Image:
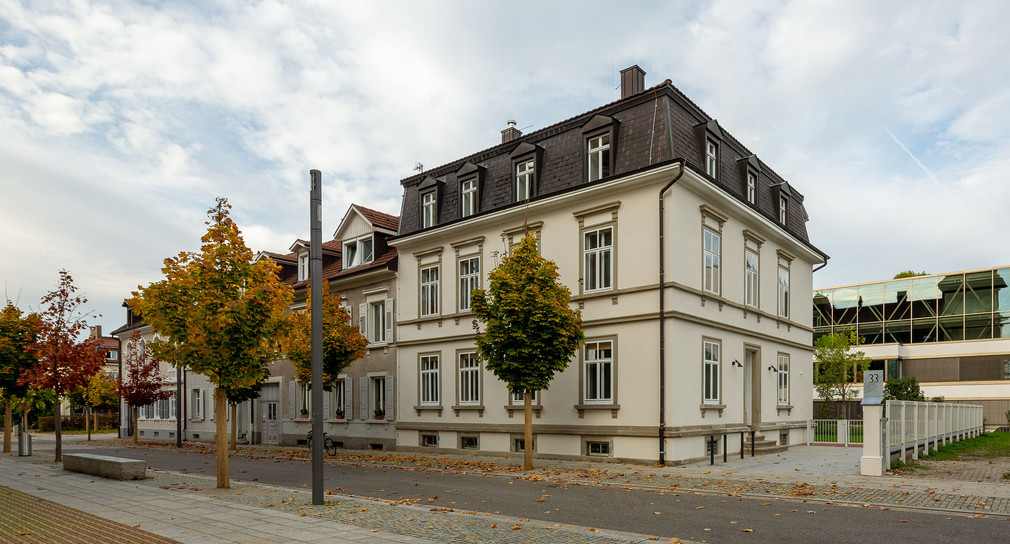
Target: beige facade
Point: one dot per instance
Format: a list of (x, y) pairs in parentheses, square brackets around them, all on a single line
[(606, 403)]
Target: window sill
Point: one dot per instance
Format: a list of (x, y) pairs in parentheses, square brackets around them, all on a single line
[(612, 407), (512, 408), (705, 408), (479, 408), (432, 408), (787, 408)]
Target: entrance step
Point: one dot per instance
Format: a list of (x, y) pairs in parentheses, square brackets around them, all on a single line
[(763, 446)]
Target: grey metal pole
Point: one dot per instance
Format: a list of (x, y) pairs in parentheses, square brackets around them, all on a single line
[(316, 290), (179, 403)]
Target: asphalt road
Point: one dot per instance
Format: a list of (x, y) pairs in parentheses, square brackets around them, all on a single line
[(709, 517)]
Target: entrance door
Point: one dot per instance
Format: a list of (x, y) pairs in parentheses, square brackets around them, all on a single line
[(269, 416), (748, 388)]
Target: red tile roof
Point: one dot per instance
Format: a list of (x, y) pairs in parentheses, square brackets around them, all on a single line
[(379, 219)]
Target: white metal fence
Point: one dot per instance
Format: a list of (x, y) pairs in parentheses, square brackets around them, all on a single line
[(914, 425), (843, 432)]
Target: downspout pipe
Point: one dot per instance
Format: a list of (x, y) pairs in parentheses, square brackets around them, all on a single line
[(662, 315)]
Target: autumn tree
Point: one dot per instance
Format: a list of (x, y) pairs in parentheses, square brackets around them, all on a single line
[(220, 315), (530, 331), (63, 362), (100, 390), (18, 333), (343, 343), (837, 367), (909, 274), (142, 381)]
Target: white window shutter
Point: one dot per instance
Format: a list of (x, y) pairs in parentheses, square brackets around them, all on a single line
[(326, 405), (390, 398), (292, 399), (212, 404), (348, 410), (363, 398), (363, 318), (389, 321)]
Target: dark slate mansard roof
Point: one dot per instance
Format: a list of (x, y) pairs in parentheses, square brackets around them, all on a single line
[(643, 141)]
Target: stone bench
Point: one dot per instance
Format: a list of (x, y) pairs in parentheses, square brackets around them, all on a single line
[(105, 466)]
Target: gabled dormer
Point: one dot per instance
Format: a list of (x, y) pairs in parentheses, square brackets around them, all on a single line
[(301, 251), (362, 234)]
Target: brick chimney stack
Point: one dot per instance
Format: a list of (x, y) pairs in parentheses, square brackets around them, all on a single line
[(95, 332), (511, 133), (632, 81)]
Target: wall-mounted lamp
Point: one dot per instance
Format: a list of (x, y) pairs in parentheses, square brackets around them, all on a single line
[(737, 363), (772, 368)]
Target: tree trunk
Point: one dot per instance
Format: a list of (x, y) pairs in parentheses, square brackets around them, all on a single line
[(94, 424), (58, 424), (234, 427), (528, 435), (221, 413), (8, 427), (87, 422), (136, 421)]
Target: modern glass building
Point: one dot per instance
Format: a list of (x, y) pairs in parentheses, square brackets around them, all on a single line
[(950, 331)]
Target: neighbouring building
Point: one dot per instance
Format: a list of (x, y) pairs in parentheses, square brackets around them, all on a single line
[(681, 248), (360, 266), (949, 331), (110, 345)]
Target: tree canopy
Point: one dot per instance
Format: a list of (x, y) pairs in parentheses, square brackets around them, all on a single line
[(343, 343), (220, 312), (18, 333), (142, 381), (530, 331), (63, 363), (909, 274)]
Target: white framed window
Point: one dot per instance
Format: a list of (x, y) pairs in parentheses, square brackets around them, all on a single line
[(428, 207), (751, 280), (337, 406), (378, 395), (783, 291), (469, 379), (196, 404), (377, 322), (711, 158), (358, 251), (710, 372), (429, 290), (429, 380), (598, 247), (598, 448), (517, 397), (783, 380), (172, 406), (468, 197), (599, 372), (783, 202), (599, 157), (303, 266), (751, 187), (147, 411), (163, 409), (305, 394), (712, 257), (112, 355), (469, 279), (524, 179)]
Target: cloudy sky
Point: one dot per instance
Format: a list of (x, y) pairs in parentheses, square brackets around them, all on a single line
[(121, 121)]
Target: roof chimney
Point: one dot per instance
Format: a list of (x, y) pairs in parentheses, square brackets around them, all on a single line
[(511, 133), (96, 332), (632, 81)]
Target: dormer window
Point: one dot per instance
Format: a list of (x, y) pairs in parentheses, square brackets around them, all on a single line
[(468, 197), (524, 179), (358, 251), (303, 266), (783, 201), (751, 187), (599, 157), (711, 158), (428, 207)]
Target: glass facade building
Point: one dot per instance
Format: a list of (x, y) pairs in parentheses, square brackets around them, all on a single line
[(956, 307)]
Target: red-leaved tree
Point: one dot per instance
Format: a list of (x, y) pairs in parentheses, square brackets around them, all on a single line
[(63, 362), (142, 382)]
